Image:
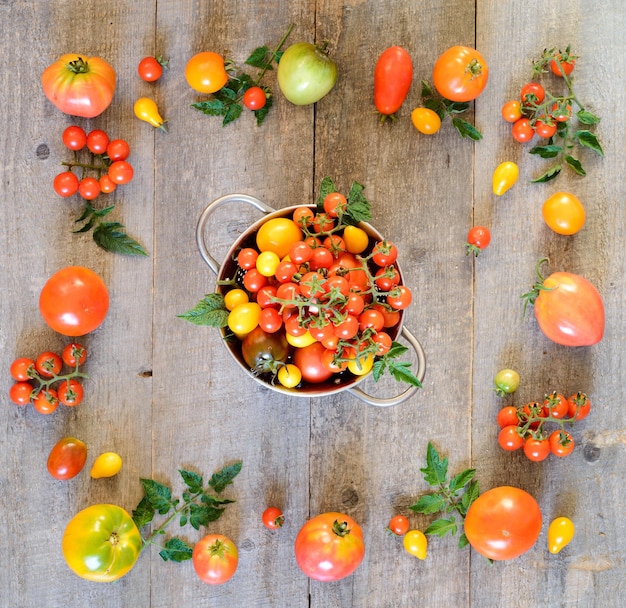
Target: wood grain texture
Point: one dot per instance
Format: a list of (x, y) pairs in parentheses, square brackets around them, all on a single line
[(166, 395)]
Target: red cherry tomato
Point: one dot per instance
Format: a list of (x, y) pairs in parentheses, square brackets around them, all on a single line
[(273, 518), (254, 98), (522, 130), (74, 138), (150, 69)]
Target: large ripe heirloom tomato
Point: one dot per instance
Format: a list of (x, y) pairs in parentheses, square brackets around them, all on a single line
[(460, 74), (74, 301), (503, 523), (329, 547), (79, 85), (101, 543), (568, 308)]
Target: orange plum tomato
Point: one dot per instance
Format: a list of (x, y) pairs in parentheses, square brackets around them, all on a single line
[(329, 547), (74, 301), (67, 458)]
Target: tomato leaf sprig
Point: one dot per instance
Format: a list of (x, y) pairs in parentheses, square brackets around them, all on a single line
[(561, 145), (227, 102), (444, 107), (210, 311), (199, 507), (357, 210), (452, 496)]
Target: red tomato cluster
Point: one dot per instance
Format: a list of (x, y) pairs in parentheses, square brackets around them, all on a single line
[(524, 426), (107, 161), (315, 296), (39, 381)]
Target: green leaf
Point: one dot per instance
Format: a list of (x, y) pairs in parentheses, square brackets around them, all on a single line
[(466, 129), (463, 542), (461, 479), (575, 165), (87, 211), (184, 516), (436, 469), (209, 311), (379, 367), (261, 114), (211, 107), (429, 503), (104, 211), (202, 515), (158, 495), (259, 58), (110, 236), (233, 113), (401, 372), (427, 91), (471, 494), (176, 550), (358, 207), (143, 513), (212, 500), (396, 350), (549, 175), (326, 187), (219, 481), (587, 118), (441, 527), (456, 107), (192, 480), (86, 227), (548, 151), (589, 140)]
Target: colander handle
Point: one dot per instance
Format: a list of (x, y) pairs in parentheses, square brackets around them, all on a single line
[(206, 214), (421, 369)]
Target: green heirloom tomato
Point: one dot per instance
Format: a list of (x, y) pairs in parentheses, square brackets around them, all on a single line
[(101, 543), (306, 73)]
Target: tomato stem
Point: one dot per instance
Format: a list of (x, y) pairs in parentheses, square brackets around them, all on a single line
[(274, 52)]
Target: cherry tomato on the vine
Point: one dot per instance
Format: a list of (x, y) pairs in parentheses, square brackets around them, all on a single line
[(273, 518), (555, 405), (107, 185), (66, 183), (512, 111), (254, 98), (89, 188), (399, 525), (478, 238), (22, 369), (545, 127), (399, 297), (507, 416), (578, 406), (522, 130), (536, 449), (48, 364), (118, 149), (532, 94), (561, 443), (74, 138), (384, 253), (21, 393), (70, 392), (97, 141), (74, 354), (335, 203), (509, 439), (121, 172), (46, 401), (562, 61)]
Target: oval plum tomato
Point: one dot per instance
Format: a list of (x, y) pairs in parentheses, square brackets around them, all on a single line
[(555, 405), (544, 127), (512, 111), (67, 458), (101, 543), (46, 401), (560, 534), (478, 238), (70, 392), (74, 301), (48, 364), (356, 239), (309, 361), (564, 213), (289, 375), (568, 308), (278, 235), (22, 369), (89, 188), (578, 406), (503, 523), (532, 93), (329, 547), (264, 352), (306, 73), (393, 75), (74, 138), (150, 69), (118, 149), (399, 525), (205, 72), (561, 443), (121, 172), (21, 393), (66, 184), (536, 450), (522, 130), (215, 559), (562, 63), (460, 74), (254, 98), (504, 176), (415, 543), (506, 382), (79, 86), (273, 518), (509, 439), (384, 253), (507, 416), (426, 121)]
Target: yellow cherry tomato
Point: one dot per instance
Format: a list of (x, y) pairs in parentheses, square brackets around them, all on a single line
[(147, 110), (244, 318), (267, 262), (361, 366), (289, 375), (356, 239), (564, 213), (415, 543), (106, 465), (235, 297), (425, 120), (300, 341), (504, 177), (278, 235), (560, 533), (205, 72)]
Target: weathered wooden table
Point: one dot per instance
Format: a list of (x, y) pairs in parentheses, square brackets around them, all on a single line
[(165, 395)]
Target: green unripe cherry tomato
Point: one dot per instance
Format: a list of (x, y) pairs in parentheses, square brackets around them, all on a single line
[(506, 381)]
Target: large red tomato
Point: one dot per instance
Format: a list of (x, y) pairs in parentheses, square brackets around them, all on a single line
[(503, 523), (74, 301), (329, 547), (215, 559), (568, 308), (78, 85), (460, 74)]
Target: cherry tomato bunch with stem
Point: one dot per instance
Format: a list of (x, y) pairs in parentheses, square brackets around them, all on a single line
[(39, 381)]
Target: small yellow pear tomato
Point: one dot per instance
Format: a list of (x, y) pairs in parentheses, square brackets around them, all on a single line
[(504, 177), (560, 533), (106, 465)]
